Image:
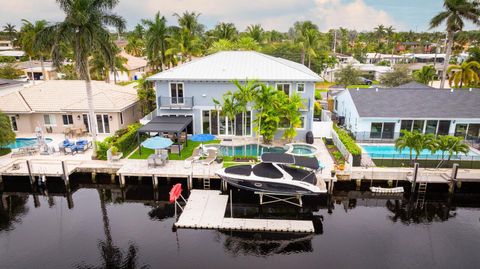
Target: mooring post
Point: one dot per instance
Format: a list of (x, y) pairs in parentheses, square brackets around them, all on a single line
[(122, 181), (29, 168), (189, 182), (415, 174), (390, 183), (3, 202), (154, 182), (231, 204), (112, 178), (66, 178), (358, 183), (94, 177), (36, 201), (453, 178), (69, 197)]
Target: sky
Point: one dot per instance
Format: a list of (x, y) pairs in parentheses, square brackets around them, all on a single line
[(271, 14)]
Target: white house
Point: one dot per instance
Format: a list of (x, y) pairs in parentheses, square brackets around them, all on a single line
[(383, 113)]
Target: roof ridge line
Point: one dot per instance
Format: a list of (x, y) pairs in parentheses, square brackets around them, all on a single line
[(183, 64), (276, 60)]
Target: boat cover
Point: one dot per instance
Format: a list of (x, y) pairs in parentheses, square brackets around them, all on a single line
[(284, 158)]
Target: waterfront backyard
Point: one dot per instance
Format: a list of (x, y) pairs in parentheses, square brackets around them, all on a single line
[(106, 225)]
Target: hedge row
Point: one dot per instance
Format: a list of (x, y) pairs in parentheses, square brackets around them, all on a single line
[(124, 139), (347, 141)]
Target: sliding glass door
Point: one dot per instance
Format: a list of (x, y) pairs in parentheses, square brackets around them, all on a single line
[(214, 123)]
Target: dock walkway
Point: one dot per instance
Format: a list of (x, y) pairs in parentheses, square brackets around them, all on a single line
[(205, 209)]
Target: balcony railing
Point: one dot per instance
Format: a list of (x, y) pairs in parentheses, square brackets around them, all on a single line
[(175, 102)]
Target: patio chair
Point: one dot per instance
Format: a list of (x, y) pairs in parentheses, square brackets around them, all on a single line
[(81, 145), (19, 152), (70, 150), (212, 155), (197, 153), (182, 138), (151, 161)]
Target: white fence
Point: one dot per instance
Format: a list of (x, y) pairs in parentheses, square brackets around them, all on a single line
[(322, 129), (341, 147)]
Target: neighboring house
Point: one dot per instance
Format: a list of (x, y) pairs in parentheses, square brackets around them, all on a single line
[(136, 67), (33, 70), (6, 45), (370, 70), (10, 85), (56, 105), (383, 113), (17, 54), (188, 90)]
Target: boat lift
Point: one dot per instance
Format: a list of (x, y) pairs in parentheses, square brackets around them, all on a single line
[(277, 198)]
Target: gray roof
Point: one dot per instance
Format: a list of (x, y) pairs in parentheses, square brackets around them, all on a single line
[(417, 103), (5, 83), (413, 85)]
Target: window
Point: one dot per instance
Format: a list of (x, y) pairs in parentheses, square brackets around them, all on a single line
[(49, 120), (206, 122), (300, 87), (86, 121), (418, 125), (103, 125), (214, 122), (388, 130), (13, 121), (67, 119), (406, 125), (461, 130), (302, 119), (121, 117), (376, 130), (473, 131), (431, 127), (285, 87), (176, 92), (443, 127)]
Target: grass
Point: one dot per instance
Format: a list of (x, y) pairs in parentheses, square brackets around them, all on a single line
[(4, 151), (185, 153), (361, 86), (323, 85)]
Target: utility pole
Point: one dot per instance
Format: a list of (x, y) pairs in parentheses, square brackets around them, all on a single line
[(334, 40)]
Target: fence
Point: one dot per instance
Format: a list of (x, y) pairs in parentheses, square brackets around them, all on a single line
[(390, 137), (341, 147), (399, 160)]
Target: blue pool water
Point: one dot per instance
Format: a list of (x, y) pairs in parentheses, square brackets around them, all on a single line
[(389, 152), (247, 150), (25, 142), (302, 150)]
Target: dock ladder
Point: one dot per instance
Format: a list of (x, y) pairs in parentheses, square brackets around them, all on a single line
[(206, 179), (422, 191)]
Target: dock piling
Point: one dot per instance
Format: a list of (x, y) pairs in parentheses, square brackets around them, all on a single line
[(66, 178), (30, 173), (415, 175), (122, 181)]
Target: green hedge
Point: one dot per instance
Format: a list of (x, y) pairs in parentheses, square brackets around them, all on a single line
[(5, 151), (347, 141), (124, 139)]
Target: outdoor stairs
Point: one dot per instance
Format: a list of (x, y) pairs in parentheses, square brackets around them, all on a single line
[(422, 191), (206, 183)]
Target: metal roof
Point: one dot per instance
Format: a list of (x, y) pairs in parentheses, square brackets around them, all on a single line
[(417, 103), (168, 124), (240, 65)]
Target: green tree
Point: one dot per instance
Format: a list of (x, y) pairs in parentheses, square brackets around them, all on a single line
[(7, 135), (225, 31), (255, 31), (10, 31), (305, 33), (85, 30), (348, 75), (230, 107), (146, 95), (28, 40), (454, 15), (9, 71), (398, 76), (264, 100), (245, 94), (221, 45), (135, 46), (156, 35), (184, 45), (189, 22), (69, 72), (290, 113), (465, 73), (247, 43), (425, 75), (415, 142)]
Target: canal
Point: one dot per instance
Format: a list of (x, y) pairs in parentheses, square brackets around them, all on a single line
[(98, 225)]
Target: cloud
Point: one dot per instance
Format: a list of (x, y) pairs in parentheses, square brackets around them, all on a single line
[(330, 14)]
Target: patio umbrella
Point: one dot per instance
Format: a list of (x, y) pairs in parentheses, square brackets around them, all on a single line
[(202, 137), (157, 142)]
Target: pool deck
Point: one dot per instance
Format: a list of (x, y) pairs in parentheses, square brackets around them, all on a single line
[(205, 209)]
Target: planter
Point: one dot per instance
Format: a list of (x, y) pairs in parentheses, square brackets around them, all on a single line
[(332, 173), (343, 176), (357, 160)]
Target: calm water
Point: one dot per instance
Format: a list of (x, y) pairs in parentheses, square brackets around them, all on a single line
[(389, 151), (134, 227)]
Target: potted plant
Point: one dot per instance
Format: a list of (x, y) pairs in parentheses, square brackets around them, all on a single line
[(116, 155), (333, 172)]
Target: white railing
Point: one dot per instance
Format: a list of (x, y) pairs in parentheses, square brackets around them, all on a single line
[(341, 147), (326, 115), (149, 117)]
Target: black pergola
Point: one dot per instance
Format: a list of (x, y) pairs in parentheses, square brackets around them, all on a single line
[(165, 124)]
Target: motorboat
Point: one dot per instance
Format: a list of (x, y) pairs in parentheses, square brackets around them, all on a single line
[(277, 173)]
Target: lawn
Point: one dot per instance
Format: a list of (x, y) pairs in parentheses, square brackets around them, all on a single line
[(186, 151)]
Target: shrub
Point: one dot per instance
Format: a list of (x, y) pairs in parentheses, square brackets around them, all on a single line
[(318, 95), (4, 151), (102, 148), (347, 141), (124, 140)]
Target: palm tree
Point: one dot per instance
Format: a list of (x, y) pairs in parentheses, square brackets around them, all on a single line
[(457, 146), (28, 36), (245, 94), (263, 99), (466, 73), (425, 75), (135, 46), (10, 31), (183, 44), (226, 31), (290, 111), (156, 35), (311, 39), (85, 30), (189, 21), (415, 141), (301, 32), (456, 11), (230, 107), (379, 31), (221, 45), (247, 43), (255, 31), (146, 94)]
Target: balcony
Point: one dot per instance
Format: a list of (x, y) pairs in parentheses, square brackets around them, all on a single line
[(175, 102)]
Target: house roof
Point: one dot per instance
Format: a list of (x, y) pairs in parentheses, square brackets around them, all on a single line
[(68, 95), (416, 103), (413, 85), (133, 62), (241, 65)]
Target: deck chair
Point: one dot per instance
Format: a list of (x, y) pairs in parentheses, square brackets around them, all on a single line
[(212, 155), (197, 153)]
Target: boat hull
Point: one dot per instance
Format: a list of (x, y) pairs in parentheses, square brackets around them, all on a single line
[(277, 188)]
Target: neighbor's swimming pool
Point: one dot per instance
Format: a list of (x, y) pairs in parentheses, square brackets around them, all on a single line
[(25, 142), (389, 152)]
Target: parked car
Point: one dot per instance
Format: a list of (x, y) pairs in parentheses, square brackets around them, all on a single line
[(366, 81)]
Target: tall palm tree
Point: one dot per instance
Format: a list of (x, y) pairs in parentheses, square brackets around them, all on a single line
[(10, 31), (28, 37), (415, 141), (135, 46), (456, 11), (182, 44), (156, 35), (85, 30), (230, 107), (221, 45), (379, 31), (299, 31), (245, 94), (457, 146), (311, 39), (467, 73), (290, 112), (263, 99), (425, 75), (226, 31), (255, 31), (189, 21), (247, 43)]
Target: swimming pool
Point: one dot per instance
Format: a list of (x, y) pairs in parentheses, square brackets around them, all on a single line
[(301, 149), (389, 152), (25, 142), (246, 150)]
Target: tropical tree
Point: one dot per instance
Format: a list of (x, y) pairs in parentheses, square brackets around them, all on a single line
[(225, 31), (348, 75), (255, 31), (156, 34), (465, 73), (264, 103), (290, 114), (454, 15), (10, 31), (135, 46), (221, 45), (247, 43), (245, 94), (100, 69), (7, 135), (85, 30), (189, 22), (230, 107), (9, 71), (28, 41), (415, 142), (183, 44), (146, 95), (457, 146), (305, 33), (379, 31), (425, 75), (398, 76)]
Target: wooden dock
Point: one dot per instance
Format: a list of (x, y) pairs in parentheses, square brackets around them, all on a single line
[(205, 209)]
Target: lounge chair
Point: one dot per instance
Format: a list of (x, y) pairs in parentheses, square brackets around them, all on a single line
[(82, 145), (70, 150), (212, 155), (197, 153)]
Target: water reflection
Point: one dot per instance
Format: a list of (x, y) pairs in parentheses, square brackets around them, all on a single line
[(12, 209)]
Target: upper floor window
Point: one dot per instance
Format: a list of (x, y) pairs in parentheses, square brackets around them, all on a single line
[(176, 92), (300, 87), (285, 87)]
